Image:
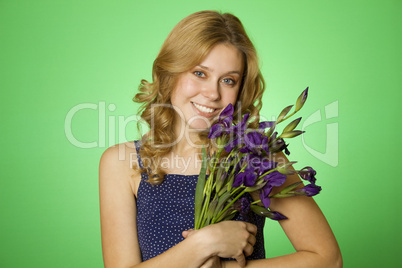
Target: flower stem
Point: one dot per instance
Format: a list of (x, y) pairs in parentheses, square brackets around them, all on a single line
[(266, 173), (256, 202), (288, 116), (209, 186), (231, 203)]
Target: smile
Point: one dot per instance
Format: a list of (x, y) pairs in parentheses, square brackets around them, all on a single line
[(203, 108)]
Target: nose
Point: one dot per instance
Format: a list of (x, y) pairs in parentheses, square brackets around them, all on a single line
[(211, 90)]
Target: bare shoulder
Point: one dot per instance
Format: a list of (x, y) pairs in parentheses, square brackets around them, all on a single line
[(119, 163), (123, 153)]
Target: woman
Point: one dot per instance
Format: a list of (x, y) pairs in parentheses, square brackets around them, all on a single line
[(147, 190)]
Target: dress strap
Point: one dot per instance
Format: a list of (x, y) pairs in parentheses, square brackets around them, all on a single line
[(137, 148)]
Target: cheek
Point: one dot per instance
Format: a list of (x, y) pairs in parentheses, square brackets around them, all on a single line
[(186, 87), (231, 97)]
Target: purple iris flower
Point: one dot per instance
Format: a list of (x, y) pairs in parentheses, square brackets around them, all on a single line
[(237, 134), (228, 111), (253, 161), (247, 178), (309, 190), (219, 128), (224, 123), (264, 195), (265, 124), (233, 143), (255, 142), (277, 216), (266, 165), (243, 206), (285, 147), (273, 215), (275, 178), (279, 145), (259, 163), (308, 174)]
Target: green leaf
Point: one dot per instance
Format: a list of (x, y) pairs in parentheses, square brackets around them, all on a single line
[(230, 216), (230, 183), (290, 134), (292, 125), (259, 209), (270, 130), (283, 114), (209, 160), (222, 201), (286, 192), (227, 215), (199, 197), (256, 187), (211, 210), (219, 179), (291, 187), (285, 168), (262, 211), (301, 100)]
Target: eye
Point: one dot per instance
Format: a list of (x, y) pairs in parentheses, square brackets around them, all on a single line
[(199, 73), (229, 81)]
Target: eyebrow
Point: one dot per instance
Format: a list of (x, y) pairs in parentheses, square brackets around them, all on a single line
[(211, 70)]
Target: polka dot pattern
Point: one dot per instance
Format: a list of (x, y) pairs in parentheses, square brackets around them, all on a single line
[(165, 210)]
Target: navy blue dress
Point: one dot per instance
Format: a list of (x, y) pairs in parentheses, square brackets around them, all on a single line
[(164, 211)]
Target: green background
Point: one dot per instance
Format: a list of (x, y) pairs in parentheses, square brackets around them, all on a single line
[(57, 55)]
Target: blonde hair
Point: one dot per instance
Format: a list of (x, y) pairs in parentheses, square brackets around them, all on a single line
[(185, 47)]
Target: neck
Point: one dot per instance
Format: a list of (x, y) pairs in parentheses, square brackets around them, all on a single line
[(187, 140)]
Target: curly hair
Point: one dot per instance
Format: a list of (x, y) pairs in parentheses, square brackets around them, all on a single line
[(185, 47)]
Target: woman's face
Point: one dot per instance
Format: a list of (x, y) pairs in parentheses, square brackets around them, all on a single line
[(204, 91)]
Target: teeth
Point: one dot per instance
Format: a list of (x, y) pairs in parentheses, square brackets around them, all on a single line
[(203, 109)]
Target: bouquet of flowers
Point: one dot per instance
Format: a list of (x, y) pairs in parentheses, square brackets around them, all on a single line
[(243, 162)]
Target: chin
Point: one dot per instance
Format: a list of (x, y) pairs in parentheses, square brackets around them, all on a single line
[(198, 124), (200, 128)]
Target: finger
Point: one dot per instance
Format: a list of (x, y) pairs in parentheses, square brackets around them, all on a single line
[(184, 234), (187, 233), (248, 250), (251, 239), (251, 228), (206, 265), (241, 260)]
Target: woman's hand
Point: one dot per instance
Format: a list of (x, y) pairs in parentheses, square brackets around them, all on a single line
[(228, 239), (213, 262)]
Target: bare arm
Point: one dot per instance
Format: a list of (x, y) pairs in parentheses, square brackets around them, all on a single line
[(119, 231), (308, 231), (310, 235)]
